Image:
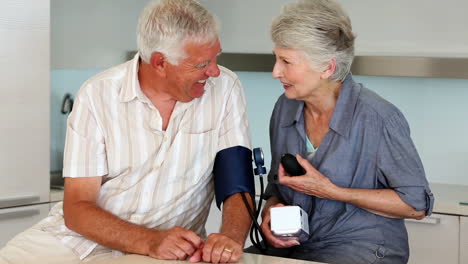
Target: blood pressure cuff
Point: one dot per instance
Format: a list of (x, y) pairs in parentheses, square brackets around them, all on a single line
[(233, 173)]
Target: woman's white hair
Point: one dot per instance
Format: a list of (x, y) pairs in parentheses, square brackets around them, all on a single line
[(321, 30), (166, 25)]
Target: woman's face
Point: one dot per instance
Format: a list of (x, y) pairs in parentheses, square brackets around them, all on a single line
[(299, 80)]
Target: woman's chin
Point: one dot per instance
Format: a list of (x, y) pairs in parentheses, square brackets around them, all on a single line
[(290, 94)]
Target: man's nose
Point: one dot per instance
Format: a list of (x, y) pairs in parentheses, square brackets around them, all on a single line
[(213, 69)]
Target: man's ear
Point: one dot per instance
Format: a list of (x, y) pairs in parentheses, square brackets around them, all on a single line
[(331, 68), (158, 63)]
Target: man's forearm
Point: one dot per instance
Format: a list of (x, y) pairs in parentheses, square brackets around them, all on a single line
[(236, 219), (107, 229)]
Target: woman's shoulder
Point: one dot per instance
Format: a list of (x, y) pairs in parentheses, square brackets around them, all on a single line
[(371, 102)]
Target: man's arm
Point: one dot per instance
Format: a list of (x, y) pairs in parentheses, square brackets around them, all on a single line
[(83, 216), (228, 245)]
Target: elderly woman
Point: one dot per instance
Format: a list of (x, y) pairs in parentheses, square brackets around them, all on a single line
[(363, 173)]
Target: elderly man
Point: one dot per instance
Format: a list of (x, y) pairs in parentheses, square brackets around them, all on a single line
[(143, 142)]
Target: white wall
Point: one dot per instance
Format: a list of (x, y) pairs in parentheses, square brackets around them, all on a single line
[(399, 27), (93, 33), (96, 34)]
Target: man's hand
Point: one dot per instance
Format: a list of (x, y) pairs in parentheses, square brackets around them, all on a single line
[(226, 247), (219, 248), (272, 239), (174, 244)]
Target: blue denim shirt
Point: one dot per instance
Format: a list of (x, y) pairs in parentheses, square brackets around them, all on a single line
[(368, 146)]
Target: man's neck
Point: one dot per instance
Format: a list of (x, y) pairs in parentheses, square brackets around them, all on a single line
[(153, 88)]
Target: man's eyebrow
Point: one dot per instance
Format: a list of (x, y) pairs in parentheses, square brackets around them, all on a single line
[(201, 64)]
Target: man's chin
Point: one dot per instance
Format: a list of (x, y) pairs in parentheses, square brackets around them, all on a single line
[(197, 94)]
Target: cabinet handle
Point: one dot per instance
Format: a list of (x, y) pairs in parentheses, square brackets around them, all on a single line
[(14, 201), (427, 220), (18, 213)]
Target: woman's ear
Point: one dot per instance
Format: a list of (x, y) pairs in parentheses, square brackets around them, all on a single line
[(329, 70), (158, 63)]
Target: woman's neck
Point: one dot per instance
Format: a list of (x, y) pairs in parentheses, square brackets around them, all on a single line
[(323, 102)]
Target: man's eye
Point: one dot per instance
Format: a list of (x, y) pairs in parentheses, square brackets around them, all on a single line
[(285, 61), (202, 65)]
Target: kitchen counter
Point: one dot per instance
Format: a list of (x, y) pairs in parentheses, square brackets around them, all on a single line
[(448, 198), (246, 259)]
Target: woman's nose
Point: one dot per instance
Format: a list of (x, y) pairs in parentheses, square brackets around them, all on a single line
[(276, 71)]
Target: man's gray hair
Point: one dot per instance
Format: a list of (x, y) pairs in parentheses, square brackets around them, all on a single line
[(321, 30), (166, 25)]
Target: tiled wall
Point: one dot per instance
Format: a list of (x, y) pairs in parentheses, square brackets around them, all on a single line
[(436, 110)]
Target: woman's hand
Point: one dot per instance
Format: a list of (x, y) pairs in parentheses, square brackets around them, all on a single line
[(272, 239), (311, 183)]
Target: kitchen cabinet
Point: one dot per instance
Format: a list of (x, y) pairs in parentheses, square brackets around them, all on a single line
[(443, 236), (17, 219), (463, 240), (435, 239)]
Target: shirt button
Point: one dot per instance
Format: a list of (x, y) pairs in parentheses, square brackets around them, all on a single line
[(165, 139)]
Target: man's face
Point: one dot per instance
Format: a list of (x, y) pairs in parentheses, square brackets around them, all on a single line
[(187, 80)]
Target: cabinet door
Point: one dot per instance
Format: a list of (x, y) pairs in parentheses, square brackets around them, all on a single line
[(15, 220), (24, 102), (463, 240), (435, 239)]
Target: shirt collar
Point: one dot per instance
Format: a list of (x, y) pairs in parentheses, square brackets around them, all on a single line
[(342, 115), (131, 87), (345, 106), (293, 113)]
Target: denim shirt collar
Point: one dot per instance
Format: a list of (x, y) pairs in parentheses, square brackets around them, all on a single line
[(345, 107), (342, 115)]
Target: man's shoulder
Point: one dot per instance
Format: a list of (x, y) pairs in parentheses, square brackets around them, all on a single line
[(108, 78)]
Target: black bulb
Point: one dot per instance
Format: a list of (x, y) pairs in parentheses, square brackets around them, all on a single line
[(291, 166)]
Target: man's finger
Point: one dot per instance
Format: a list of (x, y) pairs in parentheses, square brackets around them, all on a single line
[(197, 256), (186, 247), (193, 238), (207, 248)]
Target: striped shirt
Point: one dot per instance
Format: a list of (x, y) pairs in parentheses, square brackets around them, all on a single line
[(154, 178)]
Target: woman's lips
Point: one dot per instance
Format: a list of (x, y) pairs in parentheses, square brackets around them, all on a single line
[(286, 86)]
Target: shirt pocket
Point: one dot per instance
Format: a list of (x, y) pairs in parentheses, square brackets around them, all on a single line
[(192, 155)]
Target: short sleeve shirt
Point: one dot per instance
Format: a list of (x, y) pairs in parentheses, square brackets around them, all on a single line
[(154, 178)]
